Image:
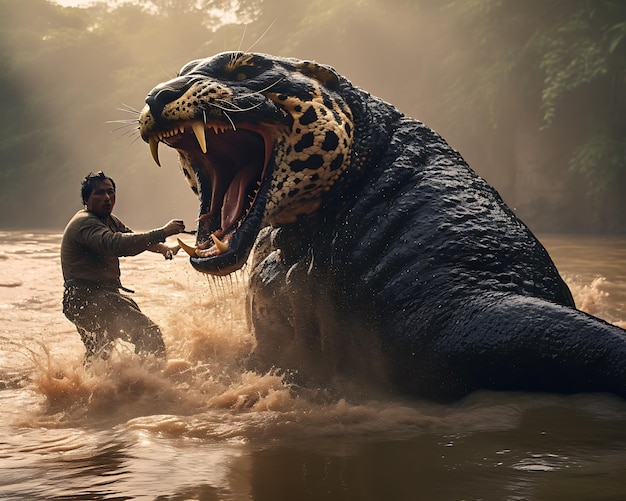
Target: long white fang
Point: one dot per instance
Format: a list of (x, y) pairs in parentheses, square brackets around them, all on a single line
[(198, 130), (154, 149), (221, 246)]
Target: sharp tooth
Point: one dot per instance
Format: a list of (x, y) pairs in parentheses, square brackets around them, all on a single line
[(187, 248), (221, 246), (154, 149), (198, 130)]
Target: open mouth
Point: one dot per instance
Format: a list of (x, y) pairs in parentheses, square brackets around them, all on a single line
[(230, 164)]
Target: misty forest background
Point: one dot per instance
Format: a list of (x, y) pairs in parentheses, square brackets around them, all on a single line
[(532, 93)]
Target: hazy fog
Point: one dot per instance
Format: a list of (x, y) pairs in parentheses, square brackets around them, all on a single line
[(68, 72)]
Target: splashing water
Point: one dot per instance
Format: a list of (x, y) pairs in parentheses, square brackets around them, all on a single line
[(204, 390), (204, 427)]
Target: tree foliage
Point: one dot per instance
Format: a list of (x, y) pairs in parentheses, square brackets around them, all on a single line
[(484, 73), (563, 59)]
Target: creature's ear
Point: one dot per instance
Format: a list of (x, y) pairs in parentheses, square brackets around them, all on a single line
[(326, 75)]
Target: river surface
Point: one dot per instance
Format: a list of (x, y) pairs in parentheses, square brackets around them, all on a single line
[(205, 429)]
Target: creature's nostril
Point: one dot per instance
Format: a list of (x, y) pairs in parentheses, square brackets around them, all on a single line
[(158, 98), (167, 92)]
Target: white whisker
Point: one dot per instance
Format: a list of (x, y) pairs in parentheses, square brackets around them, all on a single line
[(130, 121), (122, 127), (260, 91), (234, 107), (229, 119), (128, 109), (167, 73), (130, 133), (243, 35), (262, 35)]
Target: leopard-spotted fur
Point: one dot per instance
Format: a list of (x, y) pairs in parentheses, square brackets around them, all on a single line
[(311, 129), (311, 154)]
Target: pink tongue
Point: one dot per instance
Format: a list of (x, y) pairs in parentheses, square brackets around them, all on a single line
[(235, 198)]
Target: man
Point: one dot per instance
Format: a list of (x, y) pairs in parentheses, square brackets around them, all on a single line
[(93, 241)]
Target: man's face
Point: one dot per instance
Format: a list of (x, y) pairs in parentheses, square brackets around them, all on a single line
[(102, 199)]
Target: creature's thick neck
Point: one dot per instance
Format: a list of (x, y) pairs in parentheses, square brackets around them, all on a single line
[(375, 122)]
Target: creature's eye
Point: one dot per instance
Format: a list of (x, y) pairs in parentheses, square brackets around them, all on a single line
[(241, 76)]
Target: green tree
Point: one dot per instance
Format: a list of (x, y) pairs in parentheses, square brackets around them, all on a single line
[(564, 58)]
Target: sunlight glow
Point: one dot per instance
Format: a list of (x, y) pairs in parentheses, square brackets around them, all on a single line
[(87, 3)]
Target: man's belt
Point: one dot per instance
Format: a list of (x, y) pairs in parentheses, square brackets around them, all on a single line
[(99, 284)]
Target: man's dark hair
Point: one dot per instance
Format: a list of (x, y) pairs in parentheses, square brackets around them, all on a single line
[(90, 182)]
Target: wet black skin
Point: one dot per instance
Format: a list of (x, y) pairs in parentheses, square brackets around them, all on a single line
[(424, 279), (415, 275)]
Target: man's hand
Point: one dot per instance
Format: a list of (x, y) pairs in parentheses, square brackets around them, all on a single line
[(174, 227), (166, 250), (171, 251)]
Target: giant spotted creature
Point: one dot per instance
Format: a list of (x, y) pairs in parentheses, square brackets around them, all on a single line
[(378, 254)]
